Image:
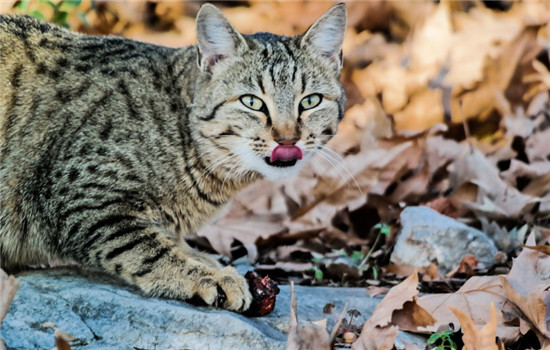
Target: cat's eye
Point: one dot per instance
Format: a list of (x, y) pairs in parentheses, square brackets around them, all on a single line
[(252, 102), (311, 101)]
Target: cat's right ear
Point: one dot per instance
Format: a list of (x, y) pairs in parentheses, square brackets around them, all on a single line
[(326, 35), (217, 39)]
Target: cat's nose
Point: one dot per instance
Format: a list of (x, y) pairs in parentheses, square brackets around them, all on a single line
[(287, 142)]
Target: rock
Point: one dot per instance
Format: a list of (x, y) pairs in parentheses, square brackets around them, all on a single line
[(104, 315), (427, 236)]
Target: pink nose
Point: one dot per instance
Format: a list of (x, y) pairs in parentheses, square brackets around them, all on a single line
[(286, 153)]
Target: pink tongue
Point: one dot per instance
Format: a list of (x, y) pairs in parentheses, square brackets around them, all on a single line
[(286, 153)]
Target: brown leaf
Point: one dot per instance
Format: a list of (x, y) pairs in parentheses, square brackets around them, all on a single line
[(533, 308), (375, 290), (61, 343), (412, 317), (444, 205), (433, 37), (307, 337), (403, 270), (495, 198), (379, 338), (482, 66), (397, 309), (394, 300), (466, 266), (472, 298), (247, 230), (524, 275), (424, 109), (474, 338), (529, 293), (539, 248), (59, 333), (8, 287)]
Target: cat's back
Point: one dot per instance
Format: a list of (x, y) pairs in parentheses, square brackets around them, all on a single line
[(47, 71), (35, 54)]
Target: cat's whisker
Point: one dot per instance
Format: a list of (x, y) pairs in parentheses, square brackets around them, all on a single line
[(217, 163), (222, 162), (329, 164), (326, 151)]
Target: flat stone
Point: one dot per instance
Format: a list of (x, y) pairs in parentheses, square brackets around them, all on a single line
[(427, 236), (104, 315)]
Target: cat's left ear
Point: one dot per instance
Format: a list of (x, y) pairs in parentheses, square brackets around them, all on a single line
[(326, 35), (217, 39)]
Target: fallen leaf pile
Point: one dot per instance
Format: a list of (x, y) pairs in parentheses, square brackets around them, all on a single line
[(489, 310), (448, 107)]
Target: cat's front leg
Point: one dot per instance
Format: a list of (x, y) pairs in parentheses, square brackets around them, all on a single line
[(159, 268)]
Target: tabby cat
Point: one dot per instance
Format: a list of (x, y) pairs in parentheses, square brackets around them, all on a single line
[(112, 148)]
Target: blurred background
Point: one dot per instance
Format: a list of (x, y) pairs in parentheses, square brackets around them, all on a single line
[(448, 107)]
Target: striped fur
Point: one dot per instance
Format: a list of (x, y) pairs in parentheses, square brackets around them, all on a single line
[(110, 149)]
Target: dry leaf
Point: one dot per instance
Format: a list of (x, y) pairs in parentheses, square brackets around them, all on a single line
[(529, 293), (472, 298), (222, 233), (495, 198), (8, 287), (59, 333), (497, 74), (394, 300), (412, 317), (539, 248), (62, 344), (307, 337), (397, 309), (379, 338), (375, 290), (474, 338), (466, 266)]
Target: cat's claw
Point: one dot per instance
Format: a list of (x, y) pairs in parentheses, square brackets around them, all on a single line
[(225, 288)]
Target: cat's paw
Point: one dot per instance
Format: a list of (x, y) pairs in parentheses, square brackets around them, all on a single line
[(225, 288)]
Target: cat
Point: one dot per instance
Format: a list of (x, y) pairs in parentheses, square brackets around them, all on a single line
[(111, 148)]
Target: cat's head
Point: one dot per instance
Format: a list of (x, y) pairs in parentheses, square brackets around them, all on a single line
[(266, 103)]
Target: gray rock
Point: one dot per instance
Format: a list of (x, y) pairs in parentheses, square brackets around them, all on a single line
[(104, 315), (428, 236)]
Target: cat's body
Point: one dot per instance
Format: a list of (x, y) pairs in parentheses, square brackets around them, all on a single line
[(109, 147)]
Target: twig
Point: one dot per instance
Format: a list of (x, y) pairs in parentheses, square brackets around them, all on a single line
[(465, 126), (338, 323)]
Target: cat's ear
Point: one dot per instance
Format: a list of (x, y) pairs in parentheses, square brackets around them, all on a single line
[(326, 35), (216, 38)]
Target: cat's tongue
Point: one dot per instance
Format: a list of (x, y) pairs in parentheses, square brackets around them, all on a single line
[(286, 153)]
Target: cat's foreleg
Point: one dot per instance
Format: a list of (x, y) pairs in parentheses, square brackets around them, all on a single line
[(160, 268)]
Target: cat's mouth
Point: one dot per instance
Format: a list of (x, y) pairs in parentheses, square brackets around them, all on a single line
[(280, 163), (284, 156)]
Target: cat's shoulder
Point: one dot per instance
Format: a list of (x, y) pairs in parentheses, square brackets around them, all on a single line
[(17, 23)]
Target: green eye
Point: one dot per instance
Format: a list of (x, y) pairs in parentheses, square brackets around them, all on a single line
[(311, 101), (252, 102)]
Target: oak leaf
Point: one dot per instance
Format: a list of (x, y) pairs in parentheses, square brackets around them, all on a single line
[(529, 293), (397, 310), (474, 338), (472, 298)]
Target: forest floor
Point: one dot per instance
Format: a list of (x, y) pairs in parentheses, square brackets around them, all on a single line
[(448, 108)]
